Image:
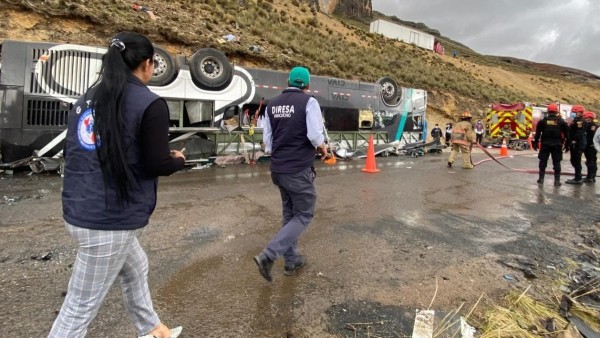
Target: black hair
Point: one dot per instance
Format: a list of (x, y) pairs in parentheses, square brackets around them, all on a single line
[(126, 52)]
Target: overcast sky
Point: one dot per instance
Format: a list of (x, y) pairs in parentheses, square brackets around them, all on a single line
[(562, 32)]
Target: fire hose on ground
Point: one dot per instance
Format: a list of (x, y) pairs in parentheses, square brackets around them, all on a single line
[(496, 159)]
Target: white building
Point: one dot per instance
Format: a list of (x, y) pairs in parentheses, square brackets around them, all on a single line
[(402, 33)]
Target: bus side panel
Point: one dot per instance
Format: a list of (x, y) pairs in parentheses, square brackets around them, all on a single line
[(13, 63), (11, 106), (28, 123)]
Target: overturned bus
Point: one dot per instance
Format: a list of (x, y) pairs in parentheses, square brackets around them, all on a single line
[(40, 81)]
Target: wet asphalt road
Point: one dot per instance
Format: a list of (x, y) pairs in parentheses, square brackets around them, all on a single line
[(384, 238)]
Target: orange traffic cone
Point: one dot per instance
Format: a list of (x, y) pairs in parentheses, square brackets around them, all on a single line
[(371, 167), (504, 149)]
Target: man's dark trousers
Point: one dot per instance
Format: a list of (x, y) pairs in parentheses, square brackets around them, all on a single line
[(544, 154), (590, 162), (298, 199), (576, 161), (478, 138)]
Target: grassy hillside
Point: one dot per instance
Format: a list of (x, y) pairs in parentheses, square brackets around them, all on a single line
[(290, 32)]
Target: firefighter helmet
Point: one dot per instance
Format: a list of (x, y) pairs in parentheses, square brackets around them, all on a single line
[(577, 109), (552, 108), (465, 115), (589, 115)]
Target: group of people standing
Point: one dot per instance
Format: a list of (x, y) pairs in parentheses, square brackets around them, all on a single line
[(479, 129), (581, 137), (553, 135)]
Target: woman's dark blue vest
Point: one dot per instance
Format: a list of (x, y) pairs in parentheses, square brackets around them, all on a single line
[(86, 201), (292, 152)]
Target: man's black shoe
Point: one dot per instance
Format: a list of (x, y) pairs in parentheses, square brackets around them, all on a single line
[(589, 180), (300, 263), (540, 181), (449, 164), (557, 183), (574, 181), (264, 265)]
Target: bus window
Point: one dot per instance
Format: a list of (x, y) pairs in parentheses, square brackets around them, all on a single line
[(200, 112)]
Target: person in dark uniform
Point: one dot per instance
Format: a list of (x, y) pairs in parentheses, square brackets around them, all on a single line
[(590, 151), (577, 142), (436, 133), (116, 147), (552, 131), (293, 128)]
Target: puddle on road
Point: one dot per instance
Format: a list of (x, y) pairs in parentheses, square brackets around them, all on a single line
[(241, 304)]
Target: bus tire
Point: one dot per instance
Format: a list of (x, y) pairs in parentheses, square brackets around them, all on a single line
[(164, 68), (210, 69), (389, 91)]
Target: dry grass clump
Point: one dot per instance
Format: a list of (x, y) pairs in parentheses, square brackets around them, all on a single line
[(590, 315), (524, 317), (577, 302), (527, 317)]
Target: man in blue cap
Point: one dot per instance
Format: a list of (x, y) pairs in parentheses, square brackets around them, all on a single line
[(292, 131)]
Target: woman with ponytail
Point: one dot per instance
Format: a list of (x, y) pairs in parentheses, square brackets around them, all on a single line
[(116, 147)]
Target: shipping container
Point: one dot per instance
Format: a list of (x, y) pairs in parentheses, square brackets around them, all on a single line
[(402, 33)]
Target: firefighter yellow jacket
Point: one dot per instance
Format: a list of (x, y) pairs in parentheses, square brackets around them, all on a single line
[(462, 133)]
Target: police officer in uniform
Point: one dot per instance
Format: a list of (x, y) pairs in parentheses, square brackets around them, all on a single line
[(462, 138), (551, 130), (577, 142), (590, 151), (293, 128)]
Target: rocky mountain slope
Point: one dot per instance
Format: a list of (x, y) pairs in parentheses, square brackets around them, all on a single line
[(329, 36)]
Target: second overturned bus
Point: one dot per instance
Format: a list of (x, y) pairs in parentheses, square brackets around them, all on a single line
[(39, 82)]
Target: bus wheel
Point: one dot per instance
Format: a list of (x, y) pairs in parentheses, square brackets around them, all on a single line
[(389, 91), (164, 68), (210, 69)]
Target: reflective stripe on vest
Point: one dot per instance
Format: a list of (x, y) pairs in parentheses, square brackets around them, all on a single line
[(459, 136)]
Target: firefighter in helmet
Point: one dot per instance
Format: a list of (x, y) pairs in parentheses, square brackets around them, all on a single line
[(551, 131), (462, 138), (590, 152), (577, 142)]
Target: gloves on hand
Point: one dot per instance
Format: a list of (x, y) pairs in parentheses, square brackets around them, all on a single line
[(535, 146)]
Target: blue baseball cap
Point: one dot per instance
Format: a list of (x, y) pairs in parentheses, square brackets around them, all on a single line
[(299, 77)]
